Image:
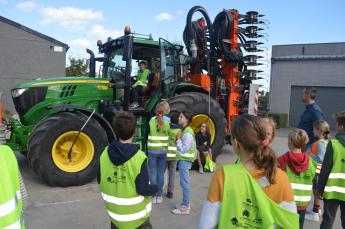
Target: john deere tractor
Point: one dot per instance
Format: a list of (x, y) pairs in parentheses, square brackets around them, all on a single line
[(65, 123)]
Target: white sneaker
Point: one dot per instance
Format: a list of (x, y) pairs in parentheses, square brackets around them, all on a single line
[(154, 200), (201, 170), (313, 216), (159, 199), (134, 105)]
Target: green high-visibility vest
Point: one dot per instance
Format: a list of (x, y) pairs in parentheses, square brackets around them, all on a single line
[(142, 78), (172, 144), (246, 205), (158, 139), (125, 207), (11, 203), (335, 186), (190, 155), (302, 183)]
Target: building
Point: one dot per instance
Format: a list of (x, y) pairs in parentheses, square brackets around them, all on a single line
[(295, 66), (25, 55)]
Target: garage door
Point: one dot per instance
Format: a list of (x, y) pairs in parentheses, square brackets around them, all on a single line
[(330, 99)]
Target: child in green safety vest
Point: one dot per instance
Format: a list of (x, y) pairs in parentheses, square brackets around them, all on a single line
[(300, 169), (186, 154), (157, 145), (11, 202), (171, 155), (123, 178), (331, 184), (253, 193), (142, 81)]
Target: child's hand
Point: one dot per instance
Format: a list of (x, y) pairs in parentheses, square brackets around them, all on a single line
[(178, 135)]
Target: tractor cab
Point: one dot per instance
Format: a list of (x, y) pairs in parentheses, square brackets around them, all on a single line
[(120, 67)]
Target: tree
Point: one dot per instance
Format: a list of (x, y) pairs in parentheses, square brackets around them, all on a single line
[(77, 67)]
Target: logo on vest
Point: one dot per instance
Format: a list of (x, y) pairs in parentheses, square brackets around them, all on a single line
[(119, 175), (250, 216)]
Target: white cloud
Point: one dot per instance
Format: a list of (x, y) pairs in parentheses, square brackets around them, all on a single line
[(3, 1), (69, 17), (80, 42), (27, 6), (168, 17), (99, 32), (164, 17)]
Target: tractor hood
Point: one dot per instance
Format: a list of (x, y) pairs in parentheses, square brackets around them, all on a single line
[(32, 99), (61, 80)]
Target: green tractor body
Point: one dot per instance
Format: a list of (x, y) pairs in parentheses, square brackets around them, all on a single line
[(53, 111)]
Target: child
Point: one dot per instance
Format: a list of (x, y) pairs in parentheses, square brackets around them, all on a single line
[(171, 156), (157, 145), (203, 144), (317, 152), (186, 153), (331, 184), (123, 178), (300, 170), (247, 194)]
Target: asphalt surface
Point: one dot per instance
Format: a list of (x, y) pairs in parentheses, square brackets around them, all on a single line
[(82, 207)]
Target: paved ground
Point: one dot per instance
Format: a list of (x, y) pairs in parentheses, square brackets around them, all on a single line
[(82, 207)]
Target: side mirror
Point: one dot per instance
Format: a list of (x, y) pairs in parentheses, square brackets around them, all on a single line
[(127, 47)]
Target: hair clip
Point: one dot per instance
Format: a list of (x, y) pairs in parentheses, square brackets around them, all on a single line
[(266, 142)]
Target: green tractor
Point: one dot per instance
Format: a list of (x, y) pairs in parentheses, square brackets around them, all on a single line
[(65, 123)]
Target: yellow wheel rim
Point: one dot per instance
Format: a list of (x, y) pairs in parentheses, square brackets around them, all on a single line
[(82, 152), (200, 119)]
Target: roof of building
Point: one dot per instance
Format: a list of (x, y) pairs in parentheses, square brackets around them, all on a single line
[(38, 34)]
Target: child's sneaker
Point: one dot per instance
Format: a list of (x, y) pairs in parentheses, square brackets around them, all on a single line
[(201, 170), (313, 216), (159, 199), (154, 200), (182, 210)]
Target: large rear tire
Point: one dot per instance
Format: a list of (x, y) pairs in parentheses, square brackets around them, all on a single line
[(50, 142), (203, 110)]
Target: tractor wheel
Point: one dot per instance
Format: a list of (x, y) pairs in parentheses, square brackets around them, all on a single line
[(50, 142), (200, 106)]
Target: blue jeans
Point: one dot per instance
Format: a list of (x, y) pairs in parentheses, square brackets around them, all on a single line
[(156, 170), (184, 167)]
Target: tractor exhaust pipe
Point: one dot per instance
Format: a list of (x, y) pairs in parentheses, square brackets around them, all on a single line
[(92, 64)]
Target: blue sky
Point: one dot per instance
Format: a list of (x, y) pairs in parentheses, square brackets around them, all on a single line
[(80, 23)]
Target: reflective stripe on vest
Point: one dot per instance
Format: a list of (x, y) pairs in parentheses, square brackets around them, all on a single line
[(301, 183), (11, 205), (122, 201), (16, 225), (131, 217), (190, 155), (335, 186), (318, 168), (171, 155), (158, 139)]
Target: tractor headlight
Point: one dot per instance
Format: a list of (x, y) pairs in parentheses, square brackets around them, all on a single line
[(18, 92)]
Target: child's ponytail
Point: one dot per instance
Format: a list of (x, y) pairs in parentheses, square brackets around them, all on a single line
[(265, 158)]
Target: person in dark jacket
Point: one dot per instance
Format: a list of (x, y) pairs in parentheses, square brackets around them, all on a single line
[(203, 144), (331, 184), (311, 114), (125, 155)]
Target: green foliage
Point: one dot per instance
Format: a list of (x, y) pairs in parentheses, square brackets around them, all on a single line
[(77, 67)]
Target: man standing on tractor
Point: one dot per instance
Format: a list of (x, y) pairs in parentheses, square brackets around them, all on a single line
[(142, 81)]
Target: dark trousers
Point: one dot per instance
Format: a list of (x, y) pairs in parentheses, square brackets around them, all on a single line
[(145, 225), (301, 218), (135, 93), (330, 211)]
